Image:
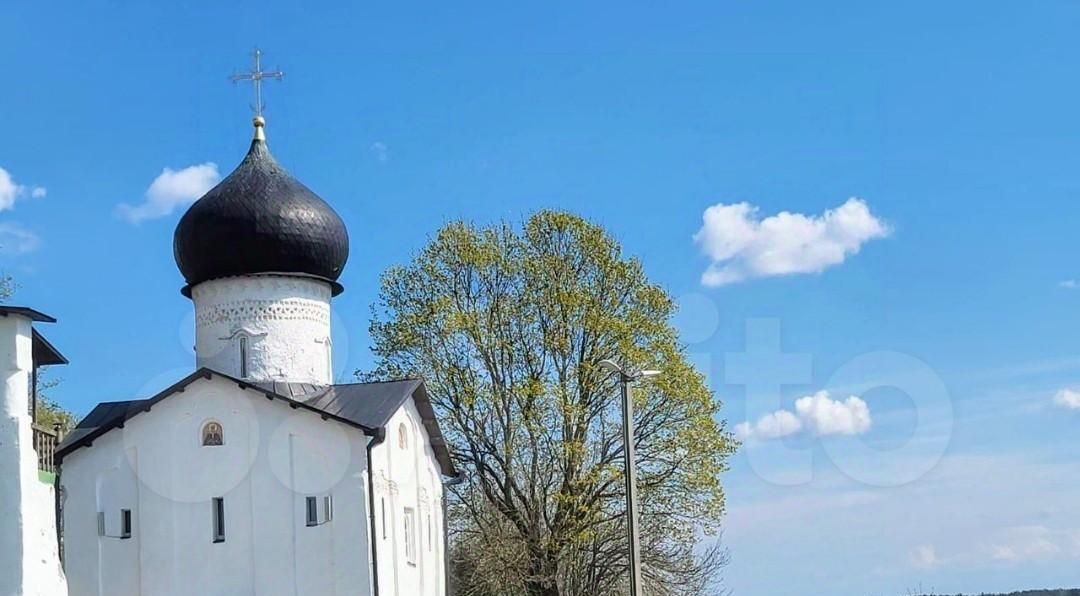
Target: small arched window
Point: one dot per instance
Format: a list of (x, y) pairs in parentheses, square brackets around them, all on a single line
[(212, 435), (403, 436), (328, 356)]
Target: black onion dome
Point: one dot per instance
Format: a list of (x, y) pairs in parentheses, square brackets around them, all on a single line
[(260, 220)]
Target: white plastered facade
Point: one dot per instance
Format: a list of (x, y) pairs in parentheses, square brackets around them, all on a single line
[(29, 556), (272, 458)]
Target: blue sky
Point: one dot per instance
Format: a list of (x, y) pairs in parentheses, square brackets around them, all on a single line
[(956, 124)]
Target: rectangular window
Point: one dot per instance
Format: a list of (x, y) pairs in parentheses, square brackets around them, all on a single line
[(120, 527), (125, 523), (410, 536), (218, 510), (319, 511), (243, 357)]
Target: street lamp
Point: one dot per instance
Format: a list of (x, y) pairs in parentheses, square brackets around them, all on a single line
[(625, 378)]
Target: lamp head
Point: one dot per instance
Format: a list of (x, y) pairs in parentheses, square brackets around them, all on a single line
[(610, 366)]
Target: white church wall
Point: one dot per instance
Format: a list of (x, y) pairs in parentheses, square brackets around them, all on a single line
[(29, 561), (272, 458), (284, 322), (408, 479)]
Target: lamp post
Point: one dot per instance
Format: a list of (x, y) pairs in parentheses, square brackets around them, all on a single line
[(625, 378)]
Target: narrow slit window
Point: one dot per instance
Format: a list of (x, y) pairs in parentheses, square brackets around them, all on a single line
[(410, 536), (243, 357), (312, 511), (218, 510), (329, 360), (429, 532), (383, 508), (125, 523)]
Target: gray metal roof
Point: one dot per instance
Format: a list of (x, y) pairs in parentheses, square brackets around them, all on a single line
[(102, 416), (367, 406)]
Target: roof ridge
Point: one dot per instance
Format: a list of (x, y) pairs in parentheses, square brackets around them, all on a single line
[(401, 380), (121, 401)]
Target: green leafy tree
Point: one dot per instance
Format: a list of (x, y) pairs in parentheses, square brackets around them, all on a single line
[(50, 414), (507, 328)]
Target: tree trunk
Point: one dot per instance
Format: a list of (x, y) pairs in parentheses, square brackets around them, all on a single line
[(542, 589), (543, 573)]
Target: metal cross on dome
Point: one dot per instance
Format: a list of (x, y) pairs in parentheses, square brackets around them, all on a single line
[(256, 76)]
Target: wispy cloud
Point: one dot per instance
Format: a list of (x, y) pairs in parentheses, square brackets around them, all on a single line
[(743, 246), (380, 151), (1034, 543), (17, 240), (817, 414), (1013, 545), (1069, 284), (11, 192), (1067, 398), (963, 508), (924, 557), (170, 190)]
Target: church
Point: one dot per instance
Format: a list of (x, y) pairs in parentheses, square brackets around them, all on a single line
[(256, 473)]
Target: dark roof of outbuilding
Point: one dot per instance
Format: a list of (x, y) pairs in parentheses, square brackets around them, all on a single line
[(34, 315), (260, 220), (366, 406), (45, 354)]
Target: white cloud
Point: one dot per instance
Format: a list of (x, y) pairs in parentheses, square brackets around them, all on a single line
[(780, 423), (825, 416), (1068, 398), (1069, 284), (17, 240), (817, 414), (11, 192), (381, 151), (925, 557), (744, 246), (172, 189)]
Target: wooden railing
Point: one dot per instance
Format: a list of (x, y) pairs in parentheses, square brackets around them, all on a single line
[(45, 443)]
